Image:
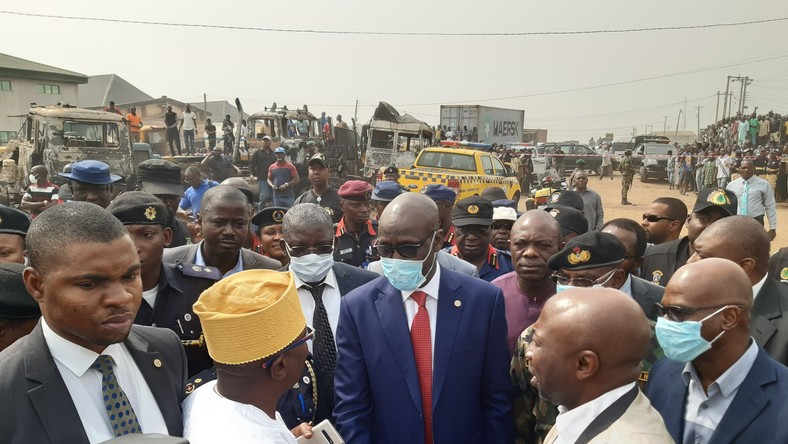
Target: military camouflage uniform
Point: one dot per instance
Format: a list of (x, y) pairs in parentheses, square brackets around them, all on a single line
[(534, 416), (628, 172)]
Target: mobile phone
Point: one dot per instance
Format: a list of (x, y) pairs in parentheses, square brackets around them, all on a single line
[(323, 433)]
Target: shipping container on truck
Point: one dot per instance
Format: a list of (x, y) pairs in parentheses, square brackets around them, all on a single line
[(476, 123)]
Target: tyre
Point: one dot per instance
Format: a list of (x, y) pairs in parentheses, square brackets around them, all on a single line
[(643, 174)]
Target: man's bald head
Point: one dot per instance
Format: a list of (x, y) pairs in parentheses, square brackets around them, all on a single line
[(404, 207), (575, 360), (707, 283), (739, 239), (410, 219), (537, 220)]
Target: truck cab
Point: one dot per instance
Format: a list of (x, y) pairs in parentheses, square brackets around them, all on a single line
[(392, 139)]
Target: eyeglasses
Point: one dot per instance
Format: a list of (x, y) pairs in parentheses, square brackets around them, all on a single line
[(581, 282), (499, 225), (679, 314), (405, 250), (309, 335), (303, 250), (476, 230), (653, 218)]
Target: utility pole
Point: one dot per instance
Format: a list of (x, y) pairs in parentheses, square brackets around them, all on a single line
[(684, 122), (717, 112), (665, 125), (677, 122), (697, 109), (205, 105), (634, 131), (355, 113), (725, 109), (745, 83)]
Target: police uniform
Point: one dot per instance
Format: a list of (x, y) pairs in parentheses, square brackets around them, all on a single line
[(442, 193), (13, 221), (476, 210), (627, 171), (179, 284), (268, 216), (662, 260), (15, 302), (356, 248), (163, 178)]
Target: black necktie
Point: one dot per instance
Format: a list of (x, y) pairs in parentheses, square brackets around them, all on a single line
[(325, 354)]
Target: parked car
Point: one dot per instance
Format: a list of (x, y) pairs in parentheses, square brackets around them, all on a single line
[(651, 159), (573, 152)]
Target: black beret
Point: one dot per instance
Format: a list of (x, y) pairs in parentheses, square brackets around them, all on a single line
[(567, 199), (13, 221), (590, 250), (15, 301), (138, 208), (570, 220), (269, 216), (473, 210), (160, 177), (391, 170)]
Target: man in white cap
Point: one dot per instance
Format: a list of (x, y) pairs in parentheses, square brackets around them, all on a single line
[(256, 334)]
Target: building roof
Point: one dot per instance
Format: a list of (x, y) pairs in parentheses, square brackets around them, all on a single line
[(101, 89), (14, 67)]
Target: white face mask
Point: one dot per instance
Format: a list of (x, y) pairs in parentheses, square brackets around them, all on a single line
[(311, 267)]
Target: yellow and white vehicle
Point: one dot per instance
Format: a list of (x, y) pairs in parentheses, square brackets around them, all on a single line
[(467, 172)]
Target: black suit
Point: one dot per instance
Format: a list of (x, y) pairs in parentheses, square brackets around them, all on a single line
[(349, 277), (646, 294), (187, 254), (38, 408), (769, 323)]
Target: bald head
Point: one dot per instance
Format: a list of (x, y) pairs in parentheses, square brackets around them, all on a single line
[(538, 220), (739, 239), (402, 209), (707, 283)]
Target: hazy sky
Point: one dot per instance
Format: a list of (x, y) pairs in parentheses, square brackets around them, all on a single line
[(415, 73)]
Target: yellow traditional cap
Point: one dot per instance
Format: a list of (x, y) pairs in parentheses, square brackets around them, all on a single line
[(250, 315)]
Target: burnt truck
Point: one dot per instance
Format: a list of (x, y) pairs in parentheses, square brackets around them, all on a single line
[(287, 128), (392, 139), (55, 136)]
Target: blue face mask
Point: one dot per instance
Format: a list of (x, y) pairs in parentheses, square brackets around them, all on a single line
[(559, 288), (405, 275), (682, 341)]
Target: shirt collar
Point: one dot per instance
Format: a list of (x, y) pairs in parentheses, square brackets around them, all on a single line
[(733, 377), (432, 287), (757, 287), (74, 357), (239, 266), (492, 255), (626, 287), (572, 423), (330, 280), (342, 230)]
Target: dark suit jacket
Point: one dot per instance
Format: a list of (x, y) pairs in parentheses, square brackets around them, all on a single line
[(646, 294), (769, 325), (752, 417), (349, 277), (186, 254), (38, 408), (378, 399)]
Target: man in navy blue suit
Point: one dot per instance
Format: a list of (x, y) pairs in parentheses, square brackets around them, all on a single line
[(718, 385), (422, 355)]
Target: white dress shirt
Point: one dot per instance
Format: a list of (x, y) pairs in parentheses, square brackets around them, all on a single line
[(432, 287), (239, 266), (626, 287), (210, 418), (75, 363), (703, 412), (760, 198), (331, 300), (572, 423), (757, 287)]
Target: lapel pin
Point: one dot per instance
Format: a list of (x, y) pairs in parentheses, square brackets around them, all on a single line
[(157, 363), (457, 303)]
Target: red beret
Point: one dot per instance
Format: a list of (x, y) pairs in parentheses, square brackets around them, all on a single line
[(355, 190)]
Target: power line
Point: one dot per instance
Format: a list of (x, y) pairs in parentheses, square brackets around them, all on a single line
[(399, 33)]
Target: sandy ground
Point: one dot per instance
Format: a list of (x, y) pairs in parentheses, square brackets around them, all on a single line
[(642, 194)]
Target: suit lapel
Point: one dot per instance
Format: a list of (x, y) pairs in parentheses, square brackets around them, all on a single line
[(446, 326), (343, 280), (765, 308), (674, 400), (51, 400), (748, 403), (395, 328), (157, 379)]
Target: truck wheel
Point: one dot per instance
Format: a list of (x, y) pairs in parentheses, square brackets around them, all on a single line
[(643, 175)]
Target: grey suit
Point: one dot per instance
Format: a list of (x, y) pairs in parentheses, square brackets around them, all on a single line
[(446, 260), (646, 294), (38, 407), (187, 254), (769, 324)]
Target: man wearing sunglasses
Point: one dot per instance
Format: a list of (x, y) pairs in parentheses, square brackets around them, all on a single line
[(663, 220), (717, 384), (308, 238), (661, 261), (257, 335), (422, 354), (472, 218), (750, 249)]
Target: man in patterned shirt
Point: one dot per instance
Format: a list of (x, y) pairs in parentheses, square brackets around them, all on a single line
[(41, 194)]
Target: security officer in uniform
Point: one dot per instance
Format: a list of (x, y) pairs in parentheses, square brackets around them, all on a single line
[(627, 171), (169, 291), (591, 259), (444, 198), (472, 218), (162, 178), (355, 232), (566, 199), (573, 223), (13, 230), (778, 265), (662, 260), (19, 312), (385, 191)]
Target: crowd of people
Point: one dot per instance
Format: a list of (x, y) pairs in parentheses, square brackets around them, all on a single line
[(395, 315)]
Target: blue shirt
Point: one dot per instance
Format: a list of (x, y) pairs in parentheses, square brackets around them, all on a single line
[(192, 198)]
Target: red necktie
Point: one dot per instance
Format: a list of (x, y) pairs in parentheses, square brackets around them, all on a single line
[(422, 349)]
